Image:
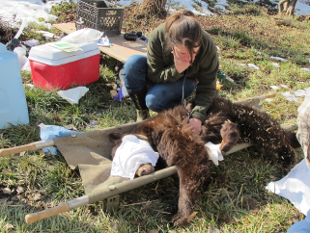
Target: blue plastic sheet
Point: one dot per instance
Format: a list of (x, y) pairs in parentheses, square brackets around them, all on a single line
[(48, 132)]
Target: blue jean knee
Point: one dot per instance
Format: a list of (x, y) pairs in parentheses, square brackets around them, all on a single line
[(167, 95), (135, 73)]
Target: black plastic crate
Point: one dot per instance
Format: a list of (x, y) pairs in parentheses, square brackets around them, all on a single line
[(97, 15)]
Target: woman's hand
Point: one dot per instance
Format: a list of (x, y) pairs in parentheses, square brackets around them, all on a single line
[(182, 57), (180, 64), (196, 125)]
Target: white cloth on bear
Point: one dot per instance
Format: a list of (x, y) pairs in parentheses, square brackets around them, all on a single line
[(214, 152), (130, 155)]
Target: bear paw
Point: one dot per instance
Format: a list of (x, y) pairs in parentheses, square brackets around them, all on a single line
[(183, 221)]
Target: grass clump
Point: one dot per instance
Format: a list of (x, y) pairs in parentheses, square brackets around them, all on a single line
[(65, 11), (249, 9), (261, 32)]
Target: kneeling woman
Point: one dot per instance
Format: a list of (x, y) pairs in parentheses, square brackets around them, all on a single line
[(180, 55)]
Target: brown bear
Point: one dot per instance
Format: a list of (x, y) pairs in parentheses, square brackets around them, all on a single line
[(229, 123), (172, 137)]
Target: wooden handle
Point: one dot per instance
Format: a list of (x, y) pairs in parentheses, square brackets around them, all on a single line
[(17, 149), (31, 218), (254, 101), (266, 96)]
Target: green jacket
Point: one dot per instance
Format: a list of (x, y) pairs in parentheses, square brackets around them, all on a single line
[(161, 68)]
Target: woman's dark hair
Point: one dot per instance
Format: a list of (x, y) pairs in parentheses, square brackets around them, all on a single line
[(180, 25)]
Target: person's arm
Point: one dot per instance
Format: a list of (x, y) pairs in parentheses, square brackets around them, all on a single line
[(207, 82), (161, 67)]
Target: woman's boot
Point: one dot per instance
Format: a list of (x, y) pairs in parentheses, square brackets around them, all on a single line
[(138, 99), (142, 114)]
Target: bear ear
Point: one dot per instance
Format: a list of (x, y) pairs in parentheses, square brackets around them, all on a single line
[(115, 137)]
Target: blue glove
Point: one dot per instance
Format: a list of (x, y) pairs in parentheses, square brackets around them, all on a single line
[(119, 95)]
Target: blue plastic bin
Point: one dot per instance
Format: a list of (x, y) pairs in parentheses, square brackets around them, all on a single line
[(13, 105)]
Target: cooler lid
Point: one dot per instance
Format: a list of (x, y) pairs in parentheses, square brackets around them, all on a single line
[(50, 55)]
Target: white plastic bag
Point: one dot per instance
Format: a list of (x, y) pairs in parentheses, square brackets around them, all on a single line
[(32, 42), (26, 67), (295, 187), (21, 54), (83, 35), (74, 94)]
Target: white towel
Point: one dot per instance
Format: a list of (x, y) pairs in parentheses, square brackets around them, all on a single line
[(130, 155), (295, 186)]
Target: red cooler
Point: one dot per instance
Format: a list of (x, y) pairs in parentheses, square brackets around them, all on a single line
[(53, 68)]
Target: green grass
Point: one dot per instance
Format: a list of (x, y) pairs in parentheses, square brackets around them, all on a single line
[(235, 199)]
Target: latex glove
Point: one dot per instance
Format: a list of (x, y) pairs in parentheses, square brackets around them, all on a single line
[(119, 95)]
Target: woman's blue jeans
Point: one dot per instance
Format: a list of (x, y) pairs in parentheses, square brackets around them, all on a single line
[(159, 96)]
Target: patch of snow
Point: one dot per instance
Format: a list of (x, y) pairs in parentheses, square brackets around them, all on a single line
[(279, 59), (275, 64), (48, 35), (299, 93), (32, 42), (274, 88), (15, 12), (284, 86), (252, 66), (289, 96)]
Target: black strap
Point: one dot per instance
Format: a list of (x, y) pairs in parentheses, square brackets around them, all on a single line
[(182, 100)]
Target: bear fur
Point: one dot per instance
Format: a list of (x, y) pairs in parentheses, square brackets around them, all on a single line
[(241, 123), (170, 134)]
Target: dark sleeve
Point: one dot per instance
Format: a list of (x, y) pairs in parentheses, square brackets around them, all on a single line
[(207, 83)]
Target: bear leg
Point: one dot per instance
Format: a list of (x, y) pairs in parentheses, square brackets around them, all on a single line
[(230, 136)]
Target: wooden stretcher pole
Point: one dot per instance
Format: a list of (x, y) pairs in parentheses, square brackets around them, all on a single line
[(266, 96), (255, 98), (28, 147), (100, 194)]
